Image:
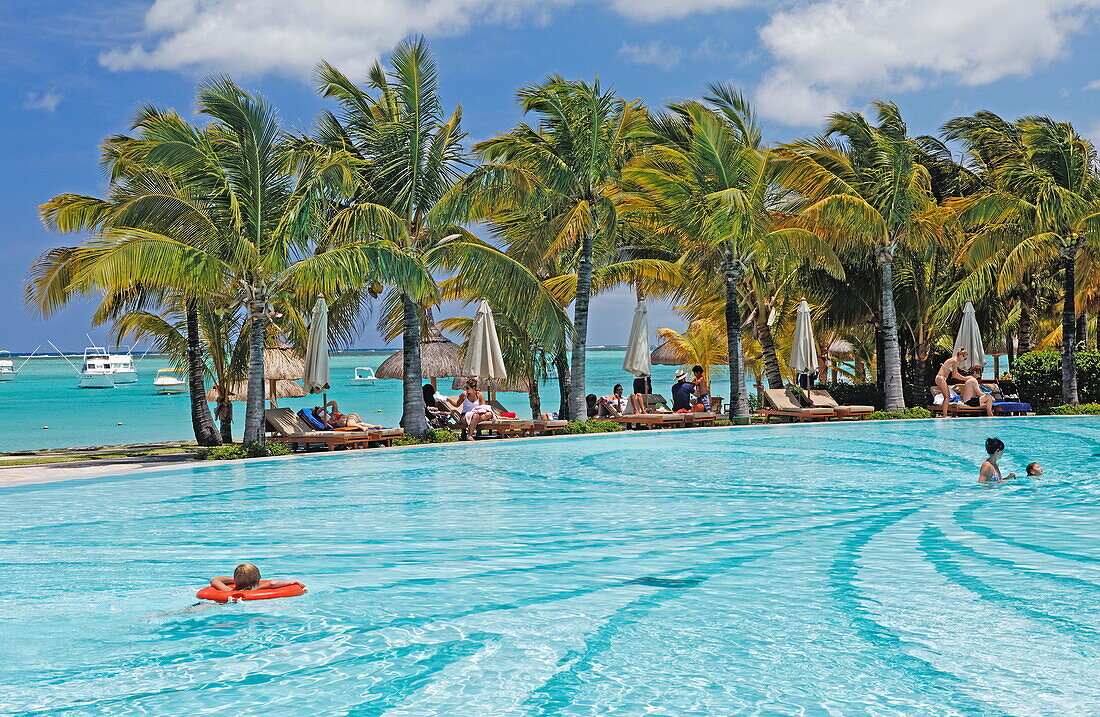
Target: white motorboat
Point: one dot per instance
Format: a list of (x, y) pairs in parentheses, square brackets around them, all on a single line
[(122, 367), (364, 376), (170, 380), (7, 367), (96, 371)]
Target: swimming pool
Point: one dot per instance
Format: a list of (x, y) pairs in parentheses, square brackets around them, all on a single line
[(829, 569)]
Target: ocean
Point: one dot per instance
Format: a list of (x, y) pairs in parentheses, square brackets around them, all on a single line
[(43, 408)]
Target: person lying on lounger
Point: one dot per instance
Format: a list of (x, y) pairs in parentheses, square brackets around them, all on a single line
[(332, 418)]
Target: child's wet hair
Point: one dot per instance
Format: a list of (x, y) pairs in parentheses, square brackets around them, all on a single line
[(246, 576)]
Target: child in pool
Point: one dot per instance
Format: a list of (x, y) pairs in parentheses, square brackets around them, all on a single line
[(246, 576), (991, 470)]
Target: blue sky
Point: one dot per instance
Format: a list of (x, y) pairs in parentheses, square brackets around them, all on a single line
[(73, 71)]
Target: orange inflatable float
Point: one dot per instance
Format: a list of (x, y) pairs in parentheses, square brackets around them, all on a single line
[(212, 593)]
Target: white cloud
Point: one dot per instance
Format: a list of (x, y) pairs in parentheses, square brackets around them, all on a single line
[(289, 37), (45, 101), (650, 10), (1094, 85), (655, 53), (829, 51)]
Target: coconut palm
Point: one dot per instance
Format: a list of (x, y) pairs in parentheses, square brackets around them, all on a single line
[(1039, 211), (558, 177), (408, 156), (861, 186), (251, 225), (712, 179)]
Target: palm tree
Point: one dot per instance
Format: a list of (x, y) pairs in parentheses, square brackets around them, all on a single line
[(61, 274), (1039, 210), (251, 226), (712, 179), (867, 192), (408, 156), (558, 177)]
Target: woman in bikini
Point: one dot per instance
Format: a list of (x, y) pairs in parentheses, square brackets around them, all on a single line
[(474, 409), (991, 469), (950, 367)]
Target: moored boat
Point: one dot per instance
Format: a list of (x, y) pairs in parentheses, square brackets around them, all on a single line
[(169, 380), (363, 376)]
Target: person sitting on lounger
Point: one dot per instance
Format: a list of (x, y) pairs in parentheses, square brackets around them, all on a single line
[(435, 406), (991, 470), (332, 418), (616, 403), (643, 386), (473, 407), (972, 394), (949, 369), (591, 404)]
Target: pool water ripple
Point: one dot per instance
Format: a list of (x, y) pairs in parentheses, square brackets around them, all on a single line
[(842, 569)]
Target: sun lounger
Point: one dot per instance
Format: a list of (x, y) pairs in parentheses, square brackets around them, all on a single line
[(287, 427), (955, 408), (652, 420), (782, 404), (1010, 407), (823, 399)]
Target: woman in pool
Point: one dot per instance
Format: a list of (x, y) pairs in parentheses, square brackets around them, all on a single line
[(950, 367), (246, 576), (991, 469)]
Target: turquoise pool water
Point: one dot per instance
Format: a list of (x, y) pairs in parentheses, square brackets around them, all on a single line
[(830, 569)]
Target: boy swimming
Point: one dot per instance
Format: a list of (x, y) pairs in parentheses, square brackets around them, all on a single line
[(246, 576)]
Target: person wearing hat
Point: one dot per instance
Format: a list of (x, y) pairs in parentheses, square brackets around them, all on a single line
[(682, 391)]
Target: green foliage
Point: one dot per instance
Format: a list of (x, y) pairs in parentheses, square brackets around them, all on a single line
[(1038, 375), (432, 435), (230, 452), (910, 413), (235, 451), (263, 449), (594, 426), (1084, 409), (855, 394)]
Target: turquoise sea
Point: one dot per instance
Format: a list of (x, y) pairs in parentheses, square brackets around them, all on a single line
[(45, 394)]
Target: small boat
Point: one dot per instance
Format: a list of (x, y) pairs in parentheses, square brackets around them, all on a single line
[(7, 367), (364, 376), (95, 371), (170, 380)]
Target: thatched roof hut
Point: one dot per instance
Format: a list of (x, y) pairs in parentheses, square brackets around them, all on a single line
[(438, 358), (841, 349), (274, 389), (505, 385), (667, 355), (283, 363)]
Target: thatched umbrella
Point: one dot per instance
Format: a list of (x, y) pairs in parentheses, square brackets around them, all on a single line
[(438, 358), (273, 389), (283, 363), (512, 384), (667, 355)]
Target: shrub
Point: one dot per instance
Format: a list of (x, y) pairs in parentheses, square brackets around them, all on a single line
[(229, 452), (267, 448), (855, 394), (439, 435), (1084, 409), (1038, 375), (909, 413), (593, 426)]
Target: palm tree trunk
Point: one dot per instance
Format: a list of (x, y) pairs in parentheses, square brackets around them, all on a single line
[(1081, 335), (413, 419), (254, 407), (739, 399), (771, 359), (1069, 332), (534, 399), (201, 420), (225, 419), (561, 366), (895, 396), (575, 405)]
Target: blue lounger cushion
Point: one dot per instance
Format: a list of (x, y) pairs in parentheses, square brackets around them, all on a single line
[(1011, 407)]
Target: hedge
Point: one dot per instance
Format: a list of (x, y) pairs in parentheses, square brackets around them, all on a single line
[(1038, 375), (855, 394)]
